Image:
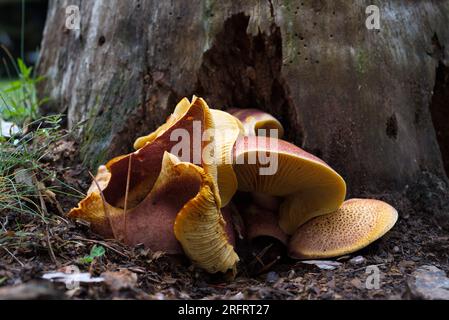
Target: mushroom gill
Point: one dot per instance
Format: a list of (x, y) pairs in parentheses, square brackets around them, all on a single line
[(226, 131), (200, 226)]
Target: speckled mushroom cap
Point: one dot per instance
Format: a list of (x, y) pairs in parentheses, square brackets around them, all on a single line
[(308, 186), (352, 227)]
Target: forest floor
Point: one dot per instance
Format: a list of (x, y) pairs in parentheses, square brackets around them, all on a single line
[(57, 243)]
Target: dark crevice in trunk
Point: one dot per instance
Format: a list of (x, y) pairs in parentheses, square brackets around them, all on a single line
[(439, 109), (244, 71)]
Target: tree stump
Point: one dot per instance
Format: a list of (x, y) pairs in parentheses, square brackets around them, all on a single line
[(360, 99)]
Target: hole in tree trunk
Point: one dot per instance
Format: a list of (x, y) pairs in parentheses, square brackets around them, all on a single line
[(244, 71), (392, 127), (101, 41), (439, 109)]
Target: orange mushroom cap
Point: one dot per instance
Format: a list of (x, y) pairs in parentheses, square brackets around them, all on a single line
[(181, 214), (222, 131), (308, 186), (146, 162), (254, 119)]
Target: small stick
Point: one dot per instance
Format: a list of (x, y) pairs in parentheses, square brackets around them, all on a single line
[(50, 249), (12, 255), (106, 211), (38, 185), (258, 258), (269, 265), (126, 196), (364, 268)]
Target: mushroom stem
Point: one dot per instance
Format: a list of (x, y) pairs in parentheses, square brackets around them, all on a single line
[(262, 223)]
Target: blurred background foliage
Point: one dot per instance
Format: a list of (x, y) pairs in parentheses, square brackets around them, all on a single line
[(21, 27), (12, 35)]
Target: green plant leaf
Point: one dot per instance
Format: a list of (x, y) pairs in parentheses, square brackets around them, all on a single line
[(20, 98), (95, 252), (25, 71)]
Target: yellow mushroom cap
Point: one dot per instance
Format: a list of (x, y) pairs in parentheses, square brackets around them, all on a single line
[(308, 186), (98, 213), (352, 227), (180, 110), (255, 119)]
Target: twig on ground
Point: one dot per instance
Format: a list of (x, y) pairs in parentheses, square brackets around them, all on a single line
[(13, 256), (50, 248), (269, 265), (364, 268), (105, 208)]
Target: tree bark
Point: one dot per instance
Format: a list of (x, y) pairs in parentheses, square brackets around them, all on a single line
[(360, 99)]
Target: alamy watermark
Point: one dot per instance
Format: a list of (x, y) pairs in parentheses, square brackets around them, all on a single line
[(373, 279), (204, 147), (372, 22), (73, 17)]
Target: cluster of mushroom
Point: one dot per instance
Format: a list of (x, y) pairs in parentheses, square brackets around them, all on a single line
[(155, 197)]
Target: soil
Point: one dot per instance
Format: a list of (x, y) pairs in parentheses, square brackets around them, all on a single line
[(56, 242)]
